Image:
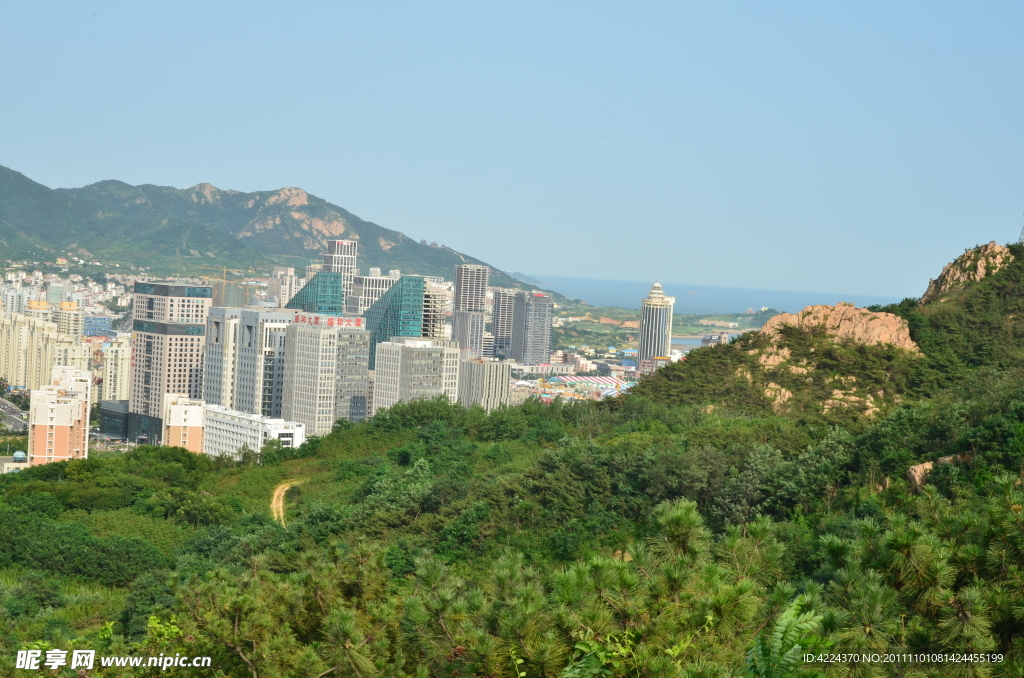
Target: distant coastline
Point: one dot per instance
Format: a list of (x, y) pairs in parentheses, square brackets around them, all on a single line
[(697, 299)]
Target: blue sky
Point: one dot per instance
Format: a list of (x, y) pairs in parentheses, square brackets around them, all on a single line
[(803, 146)]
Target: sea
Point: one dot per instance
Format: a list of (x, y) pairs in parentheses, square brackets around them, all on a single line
[(699, 299)]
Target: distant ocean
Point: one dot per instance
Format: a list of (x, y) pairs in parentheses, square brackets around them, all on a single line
[(701, 299)]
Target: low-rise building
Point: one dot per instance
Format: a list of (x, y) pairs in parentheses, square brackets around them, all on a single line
[(226, 431), (183, 422)]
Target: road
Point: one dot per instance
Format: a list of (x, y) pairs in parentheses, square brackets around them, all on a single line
[(277, 502), (10, 416)]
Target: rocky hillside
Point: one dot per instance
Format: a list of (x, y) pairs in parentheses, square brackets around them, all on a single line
[(970, 267), (199, 229), (837, 362), (841, 363)]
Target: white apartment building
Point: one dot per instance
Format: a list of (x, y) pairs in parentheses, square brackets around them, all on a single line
[(326, 371), (226, 431), (414, 368), (485, 383)]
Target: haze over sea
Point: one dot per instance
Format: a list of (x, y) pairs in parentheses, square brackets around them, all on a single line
[(701, 299)]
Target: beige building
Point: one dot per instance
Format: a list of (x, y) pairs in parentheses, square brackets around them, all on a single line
[(30, 345), (69, 318), (414, 368), (115, 372), (58, 420), (485, 383), (182, 422)]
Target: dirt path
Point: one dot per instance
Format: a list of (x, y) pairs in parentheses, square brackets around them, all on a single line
[(277, 502)]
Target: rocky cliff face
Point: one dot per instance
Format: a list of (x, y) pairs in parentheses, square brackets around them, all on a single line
[(971, 266), (845, 321), (788, 364)]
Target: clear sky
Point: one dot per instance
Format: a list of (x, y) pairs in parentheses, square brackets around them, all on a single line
[(851, 147)]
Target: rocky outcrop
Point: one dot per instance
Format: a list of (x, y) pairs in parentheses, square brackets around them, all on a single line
[(971, 266), (845, 321), (917, 475)]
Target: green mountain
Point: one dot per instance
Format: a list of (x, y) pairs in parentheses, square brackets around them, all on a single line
[(199, 230)]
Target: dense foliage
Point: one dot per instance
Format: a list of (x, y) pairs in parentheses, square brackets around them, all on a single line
[(651, 535)]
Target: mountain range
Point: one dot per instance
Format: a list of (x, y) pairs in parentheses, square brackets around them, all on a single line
[(200, 230)]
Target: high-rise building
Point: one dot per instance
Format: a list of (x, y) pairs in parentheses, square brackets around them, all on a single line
[(469, 306), (655, 325), (226, 431), (219, 360), (468, 332), (169, 326), (485, 383), (501, 321), (366, 289), (259, 371), (411, 307), (58, 420), (115, 372), (410, 368), (471, 287), (30, 346), (341, 258), (69, 318), (182, 419), (55, 293), (531, 328), (325, 371), (312, 270)]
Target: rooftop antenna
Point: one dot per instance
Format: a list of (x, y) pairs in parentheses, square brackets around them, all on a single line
[(1020, 240)]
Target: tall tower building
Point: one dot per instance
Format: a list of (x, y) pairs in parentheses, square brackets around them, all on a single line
[(58, 420), (411, 307), (501, 321), (259, 361), (410, 368), (470, 305), (655, 327), (116, 369), (471, 287), (219, 359), (531, 328), (326, 375), (169, 326), (341, 258)]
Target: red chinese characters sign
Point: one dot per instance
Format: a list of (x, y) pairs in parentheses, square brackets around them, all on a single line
[(329, 320)]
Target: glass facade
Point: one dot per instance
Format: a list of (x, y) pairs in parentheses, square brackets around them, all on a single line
[(398, 313), (323, 294)]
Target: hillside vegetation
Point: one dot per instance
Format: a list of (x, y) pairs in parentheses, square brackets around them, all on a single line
[(702, 526)]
